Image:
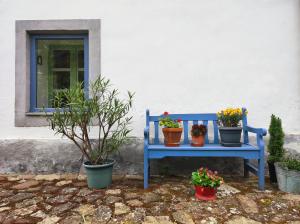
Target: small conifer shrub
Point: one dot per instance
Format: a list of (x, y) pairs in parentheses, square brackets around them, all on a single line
[(275, 146)]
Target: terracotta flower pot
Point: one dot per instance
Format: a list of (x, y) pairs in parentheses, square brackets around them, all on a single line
[(205, 193), (198, 140), (172, 136)]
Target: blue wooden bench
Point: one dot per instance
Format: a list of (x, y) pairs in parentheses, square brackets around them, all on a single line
[(157, 150)]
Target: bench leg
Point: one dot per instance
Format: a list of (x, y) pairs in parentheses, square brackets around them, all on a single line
[(246, 171), (146, 172), (261, 174)]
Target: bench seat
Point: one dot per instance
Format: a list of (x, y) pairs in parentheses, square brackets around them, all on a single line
[(246, 151), (156, 150), (214, 147)]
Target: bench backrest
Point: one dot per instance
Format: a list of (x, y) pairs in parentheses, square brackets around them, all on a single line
[(187, 119)]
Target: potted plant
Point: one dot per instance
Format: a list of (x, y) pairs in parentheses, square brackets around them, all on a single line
[(171, 130), (275, 146), (103, 111), (229, 126), (198, 133), (288, 175), (206, 183)]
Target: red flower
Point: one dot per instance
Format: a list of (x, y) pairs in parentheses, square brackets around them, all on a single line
[(166, 113), (179, 120)]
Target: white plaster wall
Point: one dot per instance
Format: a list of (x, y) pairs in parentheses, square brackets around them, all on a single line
[(178, 56)]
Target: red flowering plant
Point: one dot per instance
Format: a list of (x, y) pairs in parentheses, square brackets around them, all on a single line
[(167, 122), (198, 130), (206, 178)]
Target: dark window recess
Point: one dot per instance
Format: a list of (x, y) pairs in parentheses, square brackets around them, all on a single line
[(61, 80), (61, 58)]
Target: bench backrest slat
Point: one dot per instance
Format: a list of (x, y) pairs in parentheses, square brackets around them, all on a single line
[(245, 133), (216, 133), (187, 120), (186, 132), (205, 122), (156, 132)]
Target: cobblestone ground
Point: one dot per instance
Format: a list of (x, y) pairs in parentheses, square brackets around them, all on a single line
[(66, 199)]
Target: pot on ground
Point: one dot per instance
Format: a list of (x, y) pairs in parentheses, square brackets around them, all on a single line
[(272, 172), (288, 180), (205, 193), (99, 176), (230, 136), (198, 140), (172, 136)]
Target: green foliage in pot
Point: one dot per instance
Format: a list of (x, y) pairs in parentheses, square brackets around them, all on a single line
[(291, 164), (75, 114), (206, 178), (275, 145), (167, 122)]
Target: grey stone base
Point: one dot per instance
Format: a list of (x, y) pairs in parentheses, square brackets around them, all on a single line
[(59, 156), (38, 156)]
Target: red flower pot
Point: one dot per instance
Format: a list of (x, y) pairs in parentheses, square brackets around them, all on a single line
[(205, 193)]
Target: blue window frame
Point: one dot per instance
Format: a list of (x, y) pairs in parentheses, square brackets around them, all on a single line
[(36, 59)]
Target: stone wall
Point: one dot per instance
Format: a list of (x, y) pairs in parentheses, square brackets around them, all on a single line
[(57, 156), (38, 156), (52, 156)]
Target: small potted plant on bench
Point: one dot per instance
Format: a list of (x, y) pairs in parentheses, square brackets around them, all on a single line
[(74, 116), (288, 175), (198, 133), (206, 183), (275, 146), (229, 126), (171, 129)]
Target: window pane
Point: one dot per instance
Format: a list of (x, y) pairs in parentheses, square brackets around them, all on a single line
[(58, 63), (80, 76), (80, 59), (61, 59), (61, 80)]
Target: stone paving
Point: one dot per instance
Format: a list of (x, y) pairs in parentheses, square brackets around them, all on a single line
[(66, 199)]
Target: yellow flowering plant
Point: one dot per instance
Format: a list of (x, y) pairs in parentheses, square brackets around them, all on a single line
[(230, 117)]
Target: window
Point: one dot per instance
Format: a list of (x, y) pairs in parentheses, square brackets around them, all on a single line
[(56, 52), (58, 62)]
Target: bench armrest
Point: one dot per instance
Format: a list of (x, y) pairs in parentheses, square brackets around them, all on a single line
[(259, 131)]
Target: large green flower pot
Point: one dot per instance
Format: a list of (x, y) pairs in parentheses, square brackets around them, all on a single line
[(99, 176), (230, 136)]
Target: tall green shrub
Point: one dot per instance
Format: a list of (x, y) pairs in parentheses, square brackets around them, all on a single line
[(104, 110), (275, 146)]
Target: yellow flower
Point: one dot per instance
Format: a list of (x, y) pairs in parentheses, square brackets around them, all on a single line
[(230, 111)]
